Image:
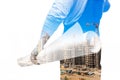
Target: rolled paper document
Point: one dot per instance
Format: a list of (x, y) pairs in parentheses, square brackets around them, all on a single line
[(25, 61), (73, 43)]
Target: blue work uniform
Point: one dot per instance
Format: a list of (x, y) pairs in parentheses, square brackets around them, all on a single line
[(86, 12)]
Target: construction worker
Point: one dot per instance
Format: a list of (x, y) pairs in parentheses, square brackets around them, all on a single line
[(86, 12)]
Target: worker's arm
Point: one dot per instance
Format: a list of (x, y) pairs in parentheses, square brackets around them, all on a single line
[(56, 15)]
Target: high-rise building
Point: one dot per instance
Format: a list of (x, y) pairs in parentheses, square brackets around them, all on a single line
[(87, 59)]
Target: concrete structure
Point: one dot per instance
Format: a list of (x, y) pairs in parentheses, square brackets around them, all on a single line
[(89, 60)]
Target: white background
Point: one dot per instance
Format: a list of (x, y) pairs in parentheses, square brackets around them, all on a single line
[(20, 26)]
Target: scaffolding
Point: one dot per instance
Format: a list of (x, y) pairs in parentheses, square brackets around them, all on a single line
[(88, 60)]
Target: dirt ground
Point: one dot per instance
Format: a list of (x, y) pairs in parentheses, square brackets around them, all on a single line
[(96, 76), (79, 77)]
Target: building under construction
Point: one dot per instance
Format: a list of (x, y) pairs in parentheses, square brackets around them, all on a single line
[(88, 60)]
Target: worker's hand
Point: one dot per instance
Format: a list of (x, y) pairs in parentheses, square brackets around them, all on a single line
[(34, 59)]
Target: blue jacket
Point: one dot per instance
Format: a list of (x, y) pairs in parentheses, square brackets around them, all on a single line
[(87, 12)]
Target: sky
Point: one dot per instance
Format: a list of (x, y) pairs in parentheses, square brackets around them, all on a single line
[(20, 22)]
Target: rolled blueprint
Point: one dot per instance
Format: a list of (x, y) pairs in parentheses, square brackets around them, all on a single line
[(73, 43)]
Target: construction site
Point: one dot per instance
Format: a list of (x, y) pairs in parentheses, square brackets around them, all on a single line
[(86, 67)]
